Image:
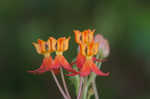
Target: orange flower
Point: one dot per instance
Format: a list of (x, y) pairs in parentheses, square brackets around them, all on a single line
[(89, 51), (84, 37), (60, 46), (45, 49)]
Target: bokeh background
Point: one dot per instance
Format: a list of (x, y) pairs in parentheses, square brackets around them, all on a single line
[(125, 23)]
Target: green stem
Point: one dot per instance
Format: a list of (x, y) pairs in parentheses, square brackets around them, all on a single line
[(85, 88), (80, 89), (95, 89)]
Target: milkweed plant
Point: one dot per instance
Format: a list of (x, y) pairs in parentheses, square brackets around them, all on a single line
[(84, 68)]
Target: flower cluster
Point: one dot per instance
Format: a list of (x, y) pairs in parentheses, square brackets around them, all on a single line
[(88, 48), (46, 48)]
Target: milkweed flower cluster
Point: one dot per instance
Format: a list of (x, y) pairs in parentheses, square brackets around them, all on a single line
[(85, 61)]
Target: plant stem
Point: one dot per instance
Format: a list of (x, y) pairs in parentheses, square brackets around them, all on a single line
[(95, 89), (64, 83), (80, 89), (85, 88), (58, 85)]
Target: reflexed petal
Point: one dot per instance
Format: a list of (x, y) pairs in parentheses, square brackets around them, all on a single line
[(46, 66), (56, 63), (38, 71), (95, 69), (65, 64), (80, 60), (85, 70)]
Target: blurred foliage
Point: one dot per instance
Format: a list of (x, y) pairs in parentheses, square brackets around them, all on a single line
[(125, 23)]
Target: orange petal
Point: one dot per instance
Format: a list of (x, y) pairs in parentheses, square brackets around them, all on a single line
[(92, 49), (90, 35), (60, 44), (77, 36), (95, 69), (42, 45), (51, 44), (85, 36), (83, 49), (66, 44)]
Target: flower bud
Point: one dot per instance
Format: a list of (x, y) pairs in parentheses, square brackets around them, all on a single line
[(104, 48)]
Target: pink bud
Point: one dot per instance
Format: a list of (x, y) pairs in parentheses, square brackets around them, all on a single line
[(103, 45)]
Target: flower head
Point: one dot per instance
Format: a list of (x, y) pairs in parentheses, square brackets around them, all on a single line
[(45, 49), (87, 49), (85, 37), (59, 47)]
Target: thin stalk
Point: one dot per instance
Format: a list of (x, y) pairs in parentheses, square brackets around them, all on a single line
[(90, 93), (64, 83), (95, 89), (59, 86), (85, 88), (80, 89)]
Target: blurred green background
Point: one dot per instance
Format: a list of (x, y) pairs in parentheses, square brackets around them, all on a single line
[(125, 23)]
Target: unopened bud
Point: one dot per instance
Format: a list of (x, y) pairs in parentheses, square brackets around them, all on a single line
[(104, 48)]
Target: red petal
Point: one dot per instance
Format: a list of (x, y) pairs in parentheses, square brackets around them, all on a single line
[(80, 60), (85, 70), (46, 66), (56, 64), (65, 64), (97, 71)]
